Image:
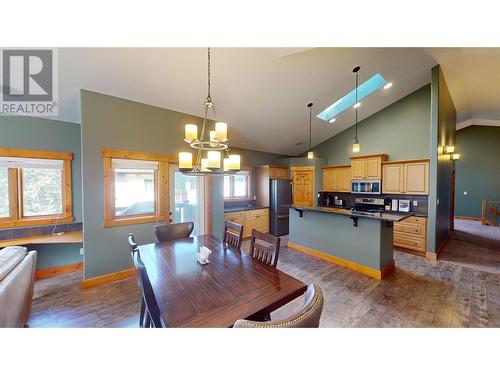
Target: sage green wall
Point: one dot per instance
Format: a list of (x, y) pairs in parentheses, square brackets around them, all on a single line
[(111, 122), (400, 130), (44, 134), (442, 133), (478, 170)]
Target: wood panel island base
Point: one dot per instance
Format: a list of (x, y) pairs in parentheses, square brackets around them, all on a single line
[(361, 243)]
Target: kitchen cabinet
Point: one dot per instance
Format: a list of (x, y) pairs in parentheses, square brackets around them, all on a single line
[(411, 233), (264, 173), (257, 219), (406, 177), (367, 167), (337, 178), (303, 186)]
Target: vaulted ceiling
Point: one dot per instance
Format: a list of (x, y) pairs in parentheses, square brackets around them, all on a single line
[(262, 92)]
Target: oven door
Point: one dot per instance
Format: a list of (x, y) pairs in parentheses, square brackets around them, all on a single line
[(366, 186)]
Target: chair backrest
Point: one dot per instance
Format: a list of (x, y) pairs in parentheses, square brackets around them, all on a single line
[(147, 291), (233, 234), (132, 243), (307, 317), (266, 253), (169, 232)]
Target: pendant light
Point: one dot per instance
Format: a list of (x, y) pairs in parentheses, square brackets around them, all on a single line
[(310, 154), (355, 146)]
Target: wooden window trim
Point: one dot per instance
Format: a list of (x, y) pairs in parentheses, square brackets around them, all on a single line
[(15, 189), (161, 213), (249, 170)]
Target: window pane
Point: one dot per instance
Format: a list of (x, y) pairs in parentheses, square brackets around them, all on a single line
[(4, 192), (240, 185), (42, 191), (188, 200), (134, 192), (227, 186)]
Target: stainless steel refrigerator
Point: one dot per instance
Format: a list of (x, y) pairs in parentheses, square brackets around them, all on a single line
[(280, 194)]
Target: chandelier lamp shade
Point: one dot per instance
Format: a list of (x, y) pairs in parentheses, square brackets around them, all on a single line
[(208, 150)]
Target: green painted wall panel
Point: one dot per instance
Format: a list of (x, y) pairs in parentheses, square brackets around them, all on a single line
[(478, 170), (400, 130), (45, 134), (111, 122)]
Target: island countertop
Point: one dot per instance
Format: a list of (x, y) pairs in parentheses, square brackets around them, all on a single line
[(384, 216)]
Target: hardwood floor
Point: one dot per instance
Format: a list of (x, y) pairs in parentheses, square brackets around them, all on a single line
[(461, 290)]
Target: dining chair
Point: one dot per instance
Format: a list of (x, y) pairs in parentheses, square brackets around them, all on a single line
[(168, 232), (233, 234), (153, 315), (308, 316), (133, 250), (267, 253)]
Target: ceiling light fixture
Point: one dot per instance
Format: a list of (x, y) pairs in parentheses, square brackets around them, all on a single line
[(455, 156), (357, 105), (388, 85), (356, 147), (217, 143), (449, 149), (332, 120), (310, 154)]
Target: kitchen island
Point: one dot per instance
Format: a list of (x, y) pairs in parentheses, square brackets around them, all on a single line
[(354, 240)]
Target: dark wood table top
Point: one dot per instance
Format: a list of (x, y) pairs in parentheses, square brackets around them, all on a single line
[(232, 286)]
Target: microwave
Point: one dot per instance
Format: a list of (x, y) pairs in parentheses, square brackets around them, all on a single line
[(366, 187)]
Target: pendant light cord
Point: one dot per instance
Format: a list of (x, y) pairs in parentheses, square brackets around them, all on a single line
[(356, 109), (209, 98), (310, 125)]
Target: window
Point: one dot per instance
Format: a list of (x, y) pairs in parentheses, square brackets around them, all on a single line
[(35, 187), (238, 186), (136, 187)]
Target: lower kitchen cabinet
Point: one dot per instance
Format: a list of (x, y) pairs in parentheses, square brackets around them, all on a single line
[(411, 233), (257, 219)]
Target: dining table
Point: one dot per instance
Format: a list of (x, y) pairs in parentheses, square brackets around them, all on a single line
[(232, 286)]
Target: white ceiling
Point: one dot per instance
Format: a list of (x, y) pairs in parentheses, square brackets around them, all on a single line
[(262, 92)]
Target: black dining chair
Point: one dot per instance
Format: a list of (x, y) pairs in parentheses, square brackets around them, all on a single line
[(169, 232), (153, 315), (133, 250)]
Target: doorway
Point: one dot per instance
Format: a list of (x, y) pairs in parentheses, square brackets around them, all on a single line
[(187, 199)]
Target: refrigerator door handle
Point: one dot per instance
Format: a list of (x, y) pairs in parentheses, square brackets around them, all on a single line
[(282, 216)]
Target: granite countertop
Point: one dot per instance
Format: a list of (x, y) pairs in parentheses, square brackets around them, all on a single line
[(245, 208), (384, 216)]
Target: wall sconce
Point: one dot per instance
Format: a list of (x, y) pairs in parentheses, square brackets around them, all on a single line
[(455, 156)]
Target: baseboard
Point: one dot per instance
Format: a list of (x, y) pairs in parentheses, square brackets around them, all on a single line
[(372, 272), (435, 256), (108, 278), (471, 218), (54, 271)]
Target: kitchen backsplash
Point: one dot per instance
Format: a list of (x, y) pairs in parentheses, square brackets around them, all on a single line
[(420, 208)]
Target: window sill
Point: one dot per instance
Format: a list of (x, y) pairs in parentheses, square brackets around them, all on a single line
[(132, 220), (238, 199), (36, 221)]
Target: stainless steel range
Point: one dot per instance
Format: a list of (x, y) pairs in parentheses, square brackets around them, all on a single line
[(369, 206)]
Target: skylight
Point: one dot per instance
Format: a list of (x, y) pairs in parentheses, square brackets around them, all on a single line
[(366, 88)]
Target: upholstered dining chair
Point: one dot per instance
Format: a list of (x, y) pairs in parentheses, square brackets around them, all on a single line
[(169, 232), (133, 250), (153, 315), (307, 317), (233, 234), (267, 252)]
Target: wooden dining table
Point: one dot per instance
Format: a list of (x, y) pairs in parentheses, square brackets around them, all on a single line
[(231, 286)]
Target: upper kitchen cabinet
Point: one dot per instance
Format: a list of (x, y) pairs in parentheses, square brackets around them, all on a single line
[(337, 178), (277, 172), (406, 177), (367, 167)]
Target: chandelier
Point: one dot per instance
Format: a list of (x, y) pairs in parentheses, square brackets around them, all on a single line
[(214, 146)]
